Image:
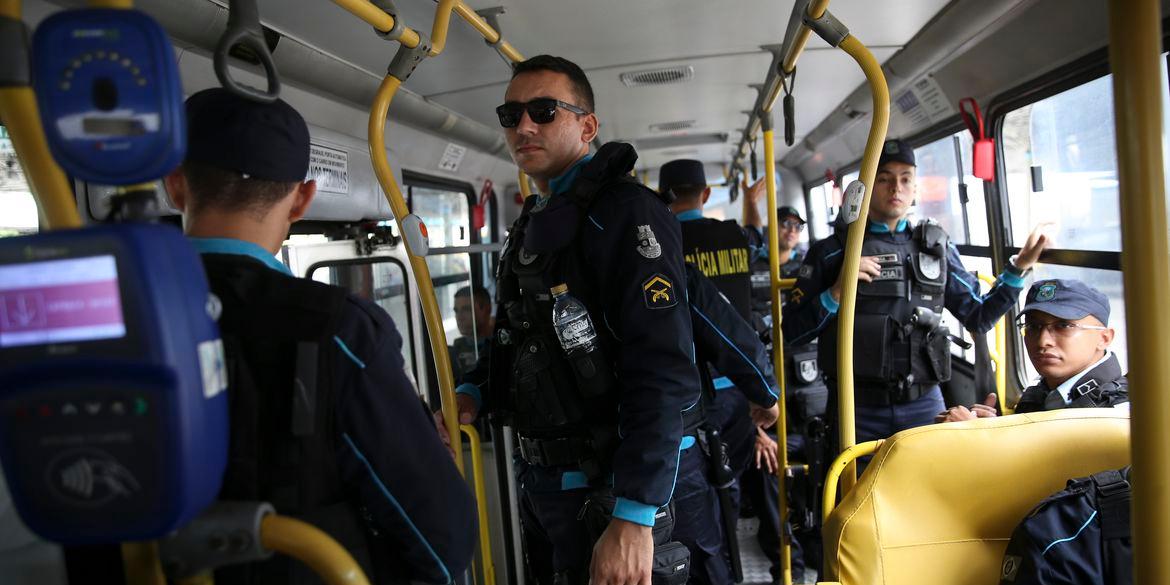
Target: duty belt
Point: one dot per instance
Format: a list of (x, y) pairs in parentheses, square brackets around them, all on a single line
[(877, 396), (556, 452)]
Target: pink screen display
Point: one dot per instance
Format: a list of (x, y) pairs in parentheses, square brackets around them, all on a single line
[(60, 301)]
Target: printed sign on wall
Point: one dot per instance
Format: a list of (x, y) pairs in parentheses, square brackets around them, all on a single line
[(452, 157), (330, 168)]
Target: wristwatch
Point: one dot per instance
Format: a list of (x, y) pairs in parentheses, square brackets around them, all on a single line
[(1011, 268)]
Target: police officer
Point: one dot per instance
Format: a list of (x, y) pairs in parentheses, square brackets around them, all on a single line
[(1065, 325), (361, 460), (473, 317), (792, 252), (615, 412), (908, 274)]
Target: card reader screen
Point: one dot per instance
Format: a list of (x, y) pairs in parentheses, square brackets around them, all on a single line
[(60, 301)]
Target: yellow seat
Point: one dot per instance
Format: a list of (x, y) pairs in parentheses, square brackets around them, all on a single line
[(937, 504)]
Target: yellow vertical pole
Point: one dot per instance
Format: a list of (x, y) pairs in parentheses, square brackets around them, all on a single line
[(525, 186), (777, 339), (1135, 45), (845, 316)]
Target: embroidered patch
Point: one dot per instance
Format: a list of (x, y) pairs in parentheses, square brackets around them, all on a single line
[(541, 203), (526, 257), (806, 271), (930, 265), (808, 371), (658, 292), (648, 244), (1046, 292), (1011, 567), (796, 295)]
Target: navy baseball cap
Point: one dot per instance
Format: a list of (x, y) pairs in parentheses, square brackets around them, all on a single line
[(681, 173), (788, 211), (1067, 299), (897, 150), (261, 141)]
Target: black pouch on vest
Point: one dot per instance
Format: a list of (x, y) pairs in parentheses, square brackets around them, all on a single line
[(935, 350), (543, 384), (594, 376), (871, 362), (672, 560), (672, 564)]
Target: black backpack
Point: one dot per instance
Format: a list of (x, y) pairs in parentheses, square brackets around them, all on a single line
[(1080, 534)]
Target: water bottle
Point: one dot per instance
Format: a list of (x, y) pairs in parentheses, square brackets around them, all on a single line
[(572, 323)]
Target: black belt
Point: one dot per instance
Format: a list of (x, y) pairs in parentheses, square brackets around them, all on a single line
[(556, 452)]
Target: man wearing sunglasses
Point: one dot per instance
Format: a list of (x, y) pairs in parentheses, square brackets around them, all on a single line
[(908, 274), (619, 412), (1065, 326)]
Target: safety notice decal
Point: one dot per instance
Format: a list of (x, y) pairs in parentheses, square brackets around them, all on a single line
[(330, 168)]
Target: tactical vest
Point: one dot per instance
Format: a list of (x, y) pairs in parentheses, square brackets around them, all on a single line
[(720, 251), (901, 347), (1102, 387), (553, 402), (283, 429)]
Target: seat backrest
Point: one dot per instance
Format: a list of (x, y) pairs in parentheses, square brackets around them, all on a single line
[(937, 504)]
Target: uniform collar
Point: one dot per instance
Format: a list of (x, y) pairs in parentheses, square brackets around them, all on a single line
[(562, 183), (689, 215), (239, 248), (881, 228), (1103, 370)]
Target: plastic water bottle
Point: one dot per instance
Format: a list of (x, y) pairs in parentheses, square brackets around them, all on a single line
[(572, 323)]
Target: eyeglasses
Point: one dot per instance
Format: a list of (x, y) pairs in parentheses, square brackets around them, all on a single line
[(792, 224), (1058, 328), (540, 110)]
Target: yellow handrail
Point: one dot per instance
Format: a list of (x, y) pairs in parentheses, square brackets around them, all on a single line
[(873, 146), (997, 356), (843, 461), (377, 18), (525, 186), (119, 4), (485, 543), (418, 264), (777, 339), (816, 9), (786, 283), (489, 34), (313, 547), (141, 564), (1135, 44)]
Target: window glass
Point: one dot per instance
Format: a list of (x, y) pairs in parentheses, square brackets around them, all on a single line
[(466, 319), (18, 209), (939, 190), (1062, 168), (382, 281), (982, 267), (447, 215)]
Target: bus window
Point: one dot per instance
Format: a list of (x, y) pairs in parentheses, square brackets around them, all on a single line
[(382, 280), (938, 190), (18, 209)]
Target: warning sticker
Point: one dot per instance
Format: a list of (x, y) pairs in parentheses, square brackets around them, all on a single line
[(452, 157), (213, 366), (330, 168), (924, 102)]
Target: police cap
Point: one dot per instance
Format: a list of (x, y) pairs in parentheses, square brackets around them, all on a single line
[(1067, 299), (262, 141), (896, 150), (681, 173)]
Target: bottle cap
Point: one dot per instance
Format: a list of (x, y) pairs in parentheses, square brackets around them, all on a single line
[(559, 289)]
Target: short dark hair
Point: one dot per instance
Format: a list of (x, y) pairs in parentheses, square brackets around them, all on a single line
[(213, 187), (481, 294), (687, 192), (576, 76)]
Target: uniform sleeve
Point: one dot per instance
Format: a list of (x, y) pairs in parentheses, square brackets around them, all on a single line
[(727, 341), (390, 453), (475, 383), (810, 306), (978, 313), (634, 246), (757, 244)]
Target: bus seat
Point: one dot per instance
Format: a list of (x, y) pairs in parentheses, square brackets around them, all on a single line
[(937, 504)]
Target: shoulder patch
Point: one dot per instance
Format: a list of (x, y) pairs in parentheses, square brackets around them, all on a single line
[(806, 271), (658, 292), (648, 245), (796, 295)]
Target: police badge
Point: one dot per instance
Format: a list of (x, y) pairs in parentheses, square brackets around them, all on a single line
[(807, 372), (930, 265), (648, 244)]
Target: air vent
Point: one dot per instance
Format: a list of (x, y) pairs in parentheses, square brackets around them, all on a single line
[(672, 126), (665, 76), (681, 152), (680, 141)]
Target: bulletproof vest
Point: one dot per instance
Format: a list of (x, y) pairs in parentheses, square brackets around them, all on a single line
[(550, 396), (720, 251), (282, 416), (1102, 387), (901, 346)]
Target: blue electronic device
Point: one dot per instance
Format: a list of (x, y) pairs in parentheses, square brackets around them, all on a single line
[(107, 85), (113, 401)]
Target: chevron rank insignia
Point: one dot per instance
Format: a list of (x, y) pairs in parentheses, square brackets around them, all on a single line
[(658, 292)]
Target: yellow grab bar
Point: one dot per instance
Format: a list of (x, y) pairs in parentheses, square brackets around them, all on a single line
[(525, 186), (141, 563), (844, 461), (489, 34), (845, 316), (1135, 44), (786, 283), (777, 338), (485, 543), (816, 9), (377, 18), (313, 547), (418, 264), (997, 356)]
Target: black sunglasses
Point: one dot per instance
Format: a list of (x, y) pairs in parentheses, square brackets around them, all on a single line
[(540, 110)]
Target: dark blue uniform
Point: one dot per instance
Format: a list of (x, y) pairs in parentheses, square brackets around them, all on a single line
[(811, 312), (623, 259), (418, 513)]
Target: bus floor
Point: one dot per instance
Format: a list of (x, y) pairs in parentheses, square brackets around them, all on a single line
[(755, 564)]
